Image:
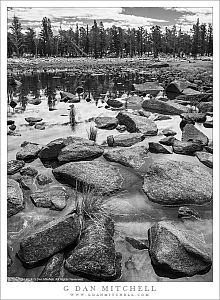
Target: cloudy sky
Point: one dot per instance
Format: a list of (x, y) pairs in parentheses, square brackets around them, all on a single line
[(119, 16)]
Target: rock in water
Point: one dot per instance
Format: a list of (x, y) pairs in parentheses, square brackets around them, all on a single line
[(158, 148), (33, 119), (136, 123), (124, 140), (43, 179), (168, 132), (28, 171), (208, 124), (114, 103), (177, 86), (149, 87), (137, 244), (187, 212), (53, 267), (106, 122), (205, 158), (186, 148), (205, 107), (50, 239), (177, 252), (54, 198), (95, 256), (191, 133), (15, 200), (133, 157), (66, 96), (28, 152), (169, 107), (168, 141), (14, 166), (101, 176), (176, 183), (195, 117)]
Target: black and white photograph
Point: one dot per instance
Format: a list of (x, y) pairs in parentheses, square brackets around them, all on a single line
[(108, 151)]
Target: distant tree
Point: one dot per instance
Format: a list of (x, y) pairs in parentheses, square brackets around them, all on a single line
[(156, 39), (46, 36), (16, 36), (30, 41), (94, 37), (87, 40), (203, 33), (210, 40), (102, 38), (77, 35), (195, 39)]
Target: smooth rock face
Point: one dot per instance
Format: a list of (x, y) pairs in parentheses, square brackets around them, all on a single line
[(76, 152), (43, 179), (177, 183), (106, 122), (130, 157), (101, 176), (205, 158), (54, 198), (28, 152), (137, 123), (13, 166), (158, 148), (186, 148), (114, 103), (95, 257), (15, 200), (191, 133), (50, 239), (195, 117), (169, 107), (28, 171), (53, 267), (177, 252), (125, 140)]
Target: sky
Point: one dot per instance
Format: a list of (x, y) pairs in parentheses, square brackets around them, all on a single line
[(125, 17)]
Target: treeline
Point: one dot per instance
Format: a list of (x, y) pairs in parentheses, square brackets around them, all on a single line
[(99, 42)]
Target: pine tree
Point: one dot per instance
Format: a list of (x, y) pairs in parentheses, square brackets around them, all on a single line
[(16, 36), (46, 35), (195, 39)]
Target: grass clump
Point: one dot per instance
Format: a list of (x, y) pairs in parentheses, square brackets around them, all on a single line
[(92, 133)]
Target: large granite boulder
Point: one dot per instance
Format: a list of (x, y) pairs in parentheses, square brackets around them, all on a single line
[(14, 166), (205, 158), (178, 85), (97, 174), (15, 200), (148, 87), (194, 116), (95, 257), (125, 140), (169, 107), (48, 240), (53, 267), (136, 123), (66, 96), (176, 251), (191, 133), (134, 157), (28, 152), (106, 122), (177, 183), (186, 148)]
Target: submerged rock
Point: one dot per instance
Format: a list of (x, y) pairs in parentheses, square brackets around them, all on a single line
[(15, 200), (191, 133), (137, 244), (14, 166), (158, 148), (125, 140), (106, 122), (53, 198), (28, 171), (205, 158), (98, 175), (53, 267), (162, 118), (28, 152), (177, 252), (148, 87), (136, 123), (186, 148), (168, 107), (176, 183), (43, 179), (95, 257), (187, 212), (48, 240)]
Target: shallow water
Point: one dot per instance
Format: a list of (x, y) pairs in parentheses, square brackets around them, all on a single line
[(133, 213)]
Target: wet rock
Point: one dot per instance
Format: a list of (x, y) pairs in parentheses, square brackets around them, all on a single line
[(186, 212), (191, 133), (10, 122), (33, 120), (205, 107), (43, 179), (53, 267), (162, 118), (133, 157), (186, 148), (28, 171), (28, 152), (149, 87), (13, 133), (137, 123), (209, 148), (98, 175), (194, 117), (48, 240), (168, 132), (80, 151), (14, 166), (53, 198), (177, 252), (137, 244), (15, 200), (205, 158), (26, 182), (121, 128), (52, 150), (176, 183), (208, 124), (39, 126), (158, 148), (106, 122), (12, 127), (95, 257), (36, 101), (177, 86), (69, 97), (114, 103), (124, 140), (169, 107), (168, 141)]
